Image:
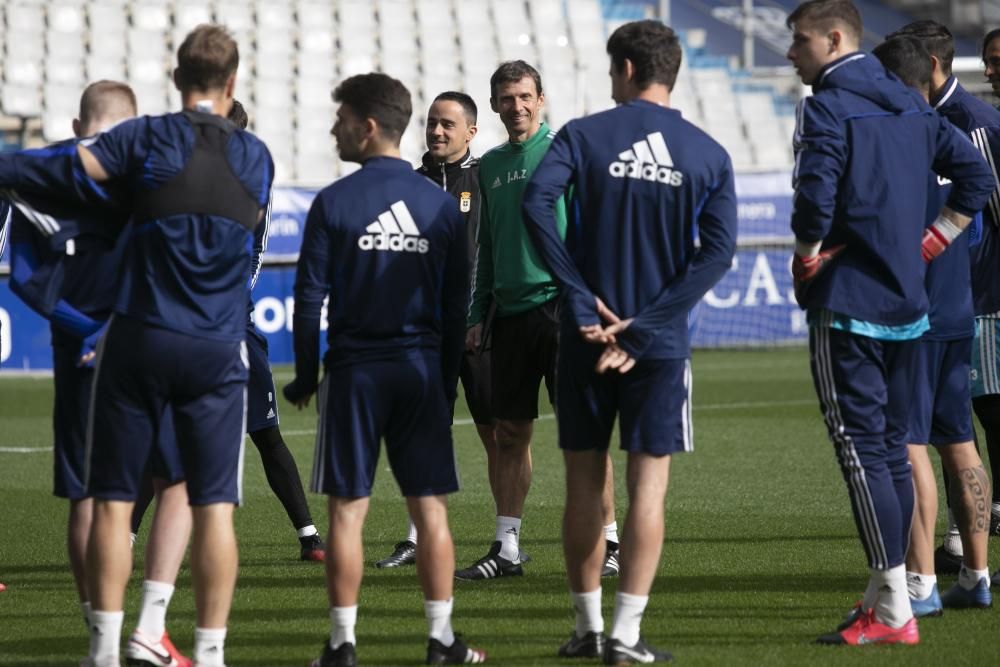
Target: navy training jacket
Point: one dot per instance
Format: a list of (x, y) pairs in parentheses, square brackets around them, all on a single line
[(864, 143)]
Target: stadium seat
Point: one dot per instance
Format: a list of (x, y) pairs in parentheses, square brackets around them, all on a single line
[(313, 96), (315, 167), (106, 19), (151, 97), (62, 97), (356, 16), (64, 70), (150, 15), (144, 43), (276, 16), (104, 67), (57, 125), (314, 14), (317, 43), (278, 42), (65, 45), (25, 20), (20, 100), (317, 72), (189, 14), (357, 64), (22, 71), (237, 16), (66, 17)]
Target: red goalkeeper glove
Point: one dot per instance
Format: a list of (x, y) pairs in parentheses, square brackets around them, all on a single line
[(938, 237), (805, 269)]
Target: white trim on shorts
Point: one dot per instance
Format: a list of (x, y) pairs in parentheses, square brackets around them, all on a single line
[(245, 358), (319, 455), (89, 440), (687, 424)]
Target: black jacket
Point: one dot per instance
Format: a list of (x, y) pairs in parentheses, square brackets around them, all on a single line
[(461, 180)]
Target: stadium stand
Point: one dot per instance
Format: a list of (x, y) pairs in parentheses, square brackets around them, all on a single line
[(293, 53)]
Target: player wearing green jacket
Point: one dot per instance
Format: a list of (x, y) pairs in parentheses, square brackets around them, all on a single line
[(508, 268), (525, 326)]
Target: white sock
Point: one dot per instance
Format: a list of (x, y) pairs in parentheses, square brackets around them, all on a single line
[(342, 622), (508, 533), (105, 636), (892, 603), (209, 647), (307, 531), (871, 595), (969, 578), (611, 532), (411, 533), (132, 537), (628, 616), (995, 509), (952, 539), (85, 610), (153, 608), (588, 611), (438, 613), (919, 586)]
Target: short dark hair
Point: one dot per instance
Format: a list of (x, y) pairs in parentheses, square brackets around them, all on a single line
[(468, 104), (106, 98), (653, 49), (206, 59), (513, 71), (990, 36), (379, 97), (936, 38), (828, 11), (238, 115), (907, 58)]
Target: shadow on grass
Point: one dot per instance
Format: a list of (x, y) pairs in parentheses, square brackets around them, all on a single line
[(758, 539), (10, 571), (45, 646), (761, 583)]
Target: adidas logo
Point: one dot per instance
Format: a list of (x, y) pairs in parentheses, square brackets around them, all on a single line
[(394, 230), (162, 602), (647, 160), (270, 414), (511, 531), (496, 183)]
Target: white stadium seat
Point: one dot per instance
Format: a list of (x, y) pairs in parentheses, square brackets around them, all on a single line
[(150, 15), (106, 19), (22, 71), (236, 16), (57, 125), (274, 15), (66, 17), (104, 67), (188, 15), (314, 14)]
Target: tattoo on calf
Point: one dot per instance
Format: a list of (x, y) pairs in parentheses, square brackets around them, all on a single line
[(972, 492)]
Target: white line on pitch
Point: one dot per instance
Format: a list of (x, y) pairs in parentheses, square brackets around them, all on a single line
[(709, 406), (544, 417)]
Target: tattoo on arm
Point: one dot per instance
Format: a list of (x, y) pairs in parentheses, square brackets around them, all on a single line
[(970, 499)]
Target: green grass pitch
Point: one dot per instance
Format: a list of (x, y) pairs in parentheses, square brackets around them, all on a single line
[(760, 557)]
